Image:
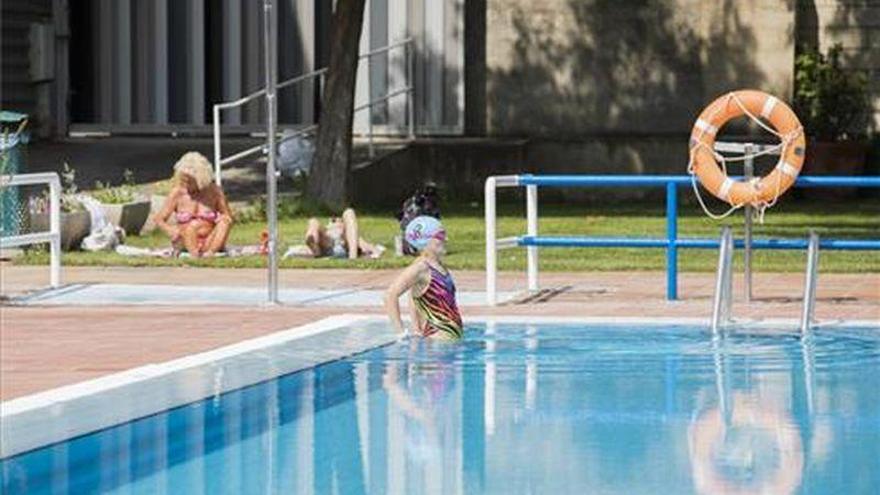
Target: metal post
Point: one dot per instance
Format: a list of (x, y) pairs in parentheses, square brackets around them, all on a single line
[(671, 238), (748, 172), (722, 384), (532, 230), (809, 366), (490, 377), (55, 230), (720, 302), (217, 157), (810, 283), (491, 247), (269, 30), (410, 48), (371, 152)]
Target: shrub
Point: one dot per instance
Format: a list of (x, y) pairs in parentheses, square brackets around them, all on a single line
[(69, 203), (126, 193), (832, 102)]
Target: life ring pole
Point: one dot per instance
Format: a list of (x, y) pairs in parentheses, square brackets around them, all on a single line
[(749, 152), (749, 173)]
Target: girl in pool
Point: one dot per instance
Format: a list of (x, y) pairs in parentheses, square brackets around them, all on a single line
[(435, 312)]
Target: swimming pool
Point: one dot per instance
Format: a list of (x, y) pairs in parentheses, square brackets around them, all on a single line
[(516, 408)]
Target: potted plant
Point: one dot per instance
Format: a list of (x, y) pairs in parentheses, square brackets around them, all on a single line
[(122, 205), (159, 193), (834, 106), (76, 222)]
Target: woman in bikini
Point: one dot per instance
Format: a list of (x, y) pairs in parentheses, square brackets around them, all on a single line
[(202, 214), (434, 309)]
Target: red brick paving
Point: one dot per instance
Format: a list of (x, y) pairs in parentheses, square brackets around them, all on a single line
[(47, 347), (43, 348)]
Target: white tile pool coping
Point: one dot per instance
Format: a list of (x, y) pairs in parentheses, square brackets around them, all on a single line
[(44, 418)]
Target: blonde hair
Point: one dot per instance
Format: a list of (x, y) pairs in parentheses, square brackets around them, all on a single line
[(196, 166)]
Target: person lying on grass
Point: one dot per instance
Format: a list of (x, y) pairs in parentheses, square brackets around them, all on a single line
[(434, 309), (339, 239), (202, 214)]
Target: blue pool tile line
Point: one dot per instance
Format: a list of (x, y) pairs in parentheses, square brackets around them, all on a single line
[(131, 294)]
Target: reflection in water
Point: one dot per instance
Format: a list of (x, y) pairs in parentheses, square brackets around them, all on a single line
[(512, 409), (757, 451), (338, 456), (751, 445), (428, 435)]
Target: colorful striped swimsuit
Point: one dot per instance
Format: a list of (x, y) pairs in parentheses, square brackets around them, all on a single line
[(437, 305)]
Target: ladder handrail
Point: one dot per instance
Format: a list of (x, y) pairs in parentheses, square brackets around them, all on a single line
[(810, 279), (723, 281), (722, 299)]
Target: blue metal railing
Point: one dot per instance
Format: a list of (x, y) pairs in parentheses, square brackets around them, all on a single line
[(672, 243), (679, 180)]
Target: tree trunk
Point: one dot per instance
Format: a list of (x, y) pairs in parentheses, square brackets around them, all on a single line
[(329, 181)]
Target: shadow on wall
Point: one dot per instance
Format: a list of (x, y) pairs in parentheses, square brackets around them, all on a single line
[(639, 67)]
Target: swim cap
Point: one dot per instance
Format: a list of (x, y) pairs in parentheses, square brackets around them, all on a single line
[(422, 229)]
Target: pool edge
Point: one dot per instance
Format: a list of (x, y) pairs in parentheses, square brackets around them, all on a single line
[(30, 422)]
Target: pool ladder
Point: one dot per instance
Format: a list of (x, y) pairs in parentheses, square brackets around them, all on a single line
[(724, 282)]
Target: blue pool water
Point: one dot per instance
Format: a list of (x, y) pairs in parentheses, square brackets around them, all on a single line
[(514, 409)]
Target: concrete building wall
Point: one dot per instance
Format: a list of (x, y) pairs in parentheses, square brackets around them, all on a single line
[(570, 68)]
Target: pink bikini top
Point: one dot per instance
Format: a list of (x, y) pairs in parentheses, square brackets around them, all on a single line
[(186, 217)]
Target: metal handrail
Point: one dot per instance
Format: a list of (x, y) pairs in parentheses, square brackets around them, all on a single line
[(380, 99), (53, 236), (303, 77), (307, 75), (386, 48), (298, 132), (723, 282), (812, 273), (219, 161), (238, 156), (241, 101)]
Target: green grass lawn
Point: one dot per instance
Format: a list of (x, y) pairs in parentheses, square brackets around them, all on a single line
[(792, 219)]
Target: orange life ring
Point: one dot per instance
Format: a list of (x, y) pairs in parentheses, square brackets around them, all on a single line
[(755, 104)]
